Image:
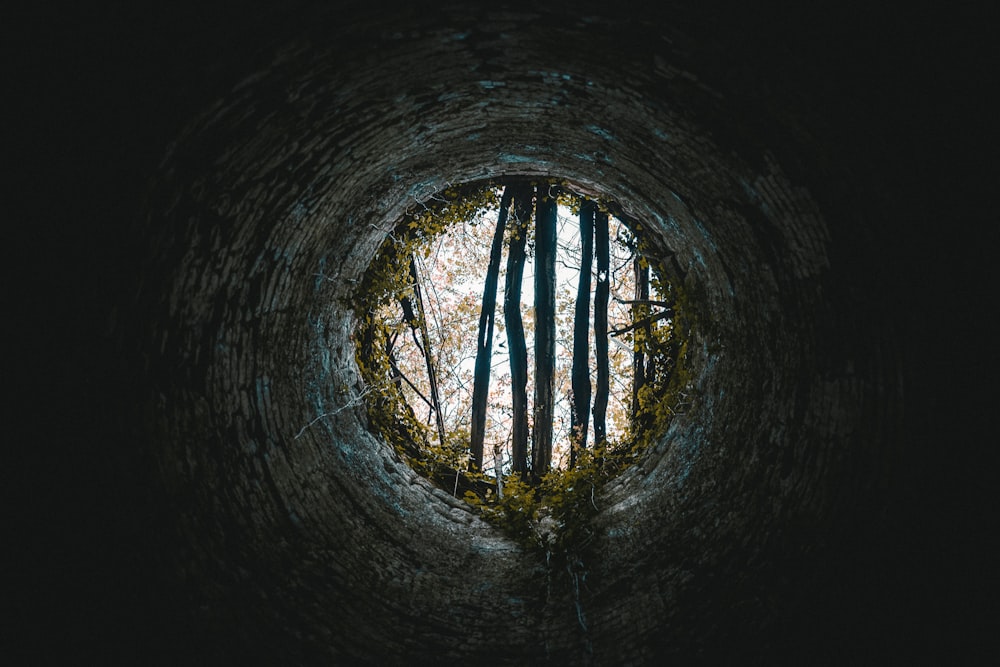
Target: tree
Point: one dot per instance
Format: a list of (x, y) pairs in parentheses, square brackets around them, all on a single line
[(517, 348), (601, 294), (640, 312), (417, 319), (545, 330), (580, 396), (484, 347)]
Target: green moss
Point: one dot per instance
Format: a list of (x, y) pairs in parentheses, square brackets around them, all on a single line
[(554, 517)]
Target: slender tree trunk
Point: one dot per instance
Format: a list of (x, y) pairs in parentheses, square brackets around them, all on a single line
[(420, 317), (580, 398), (484, 348), (517, 348), (601, 294), (498, 467), (640, 311), (545, 331)]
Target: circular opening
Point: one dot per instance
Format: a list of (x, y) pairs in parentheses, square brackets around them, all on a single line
[(277, 202), (517, 339)]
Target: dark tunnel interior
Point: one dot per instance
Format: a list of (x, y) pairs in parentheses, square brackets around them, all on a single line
[(205, 187)]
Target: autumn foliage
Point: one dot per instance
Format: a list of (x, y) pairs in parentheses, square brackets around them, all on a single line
[(443, 369)]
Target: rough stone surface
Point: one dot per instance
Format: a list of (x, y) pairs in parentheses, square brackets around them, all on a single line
[(267, 525), (267, 212)]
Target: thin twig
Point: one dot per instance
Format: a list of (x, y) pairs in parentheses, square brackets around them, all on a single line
[(405, 379), (645, 302), (350, 404), (663, 314)]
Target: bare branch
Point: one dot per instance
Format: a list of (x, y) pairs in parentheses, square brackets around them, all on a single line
[(405, 379), (663, 314), (645, 302)]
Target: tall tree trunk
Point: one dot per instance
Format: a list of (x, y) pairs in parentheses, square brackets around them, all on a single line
[(601, 294), (420, 318), (579, 412), (484, 348), (640, 337), (545, 331), (517, 348)]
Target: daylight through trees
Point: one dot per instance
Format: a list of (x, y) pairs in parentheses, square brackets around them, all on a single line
[(471, 396)]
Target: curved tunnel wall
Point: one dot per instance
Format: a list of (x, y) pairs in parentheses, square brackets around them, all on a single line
[(304, 539)]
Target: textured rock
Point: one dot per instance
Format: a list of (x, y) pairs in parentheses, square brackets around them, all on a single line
[(265, 215), (278, 530)]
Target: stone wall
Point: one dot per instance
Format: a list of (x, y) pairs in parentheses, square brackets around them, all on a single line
[(273, 528)]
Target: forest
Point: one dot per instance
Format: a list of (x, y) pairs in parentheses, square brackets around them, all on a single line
[(516, 338)]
